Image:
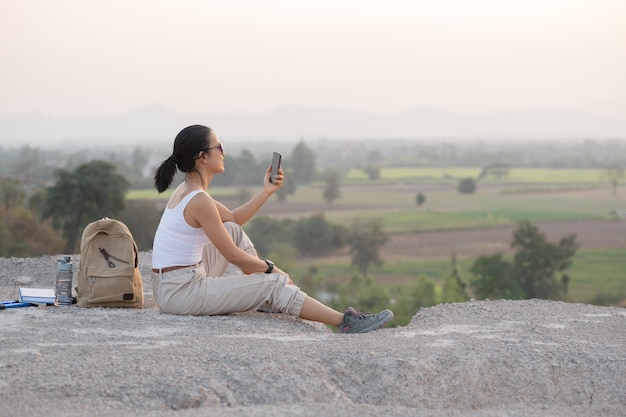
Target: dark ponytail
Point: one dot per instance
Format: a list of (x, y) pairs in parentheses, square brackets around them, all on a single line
[(187, 145), (165, 174)]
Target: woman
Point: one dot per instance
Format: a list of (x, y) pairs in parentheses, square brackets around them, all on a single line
[(198, 238)]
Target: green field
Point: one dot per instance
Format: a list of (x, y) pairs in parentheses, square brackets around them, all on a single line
[(519, 176), (152, 194), (596, 276), (516, 175), (535, 195)]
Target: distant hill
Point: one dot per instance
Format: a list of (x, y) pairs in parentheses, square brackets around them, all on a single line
[(292, 122)]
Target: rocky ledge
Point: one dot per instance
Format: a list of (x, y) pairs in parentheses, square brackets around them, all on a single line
[(487, 358)]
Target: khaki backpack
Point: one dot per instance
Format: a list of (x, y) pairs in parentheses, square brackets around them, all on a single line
[(108, 273)]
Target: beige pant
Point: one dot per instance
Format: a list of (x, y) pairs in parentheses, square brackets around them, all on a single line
[(204, 290)]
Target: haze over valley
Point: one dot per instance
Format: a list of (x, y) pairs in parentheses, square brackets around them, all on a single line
[(156, 123)]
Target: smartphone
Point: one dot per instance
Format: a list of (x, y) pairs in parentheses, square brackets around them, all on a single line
[(275, 165)]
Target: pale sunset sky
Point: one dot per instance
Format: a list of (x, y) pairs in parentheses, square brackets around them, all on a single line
[(71, 58)]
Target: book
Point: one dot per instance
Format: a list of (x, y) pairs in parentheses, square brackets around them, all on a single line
[(37, 295)]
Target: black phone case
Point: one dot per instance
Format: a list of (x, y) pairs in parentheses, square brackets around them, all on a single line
[(276, 158)]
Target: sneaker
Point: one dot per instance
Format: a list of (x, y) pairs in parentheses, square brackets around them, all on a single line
[(358, 322)]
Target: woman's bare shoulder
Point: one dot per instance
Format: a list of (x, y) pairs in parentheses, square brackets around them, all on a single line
[(181, 192), (200, 199)]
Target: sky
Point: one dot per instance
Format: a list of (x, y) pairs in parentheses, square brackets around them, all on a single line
[(71, 58)]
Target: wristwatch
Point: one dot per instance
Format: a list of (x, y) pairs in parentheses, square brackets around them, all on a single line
[(270, 266)]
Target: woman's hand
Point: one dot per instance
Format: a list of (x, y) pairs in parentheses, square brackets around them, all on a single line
[(277, 270), (271, 187)]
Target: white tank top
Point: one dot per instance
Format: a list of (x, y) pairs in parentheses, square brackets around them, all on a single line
[(175, 242)]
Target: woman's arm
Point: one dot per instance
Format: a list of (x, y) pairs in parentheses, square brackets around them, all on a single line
[(243, 213), (202, 211)]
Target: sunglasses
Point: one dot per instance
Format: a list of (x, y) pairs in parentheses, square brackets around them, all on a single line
[(217, 147), (207, 149)]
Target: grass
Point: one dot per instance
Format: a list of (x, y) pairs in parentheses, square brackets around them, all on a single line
[(596, 276), (446, 209), (407, 221), (152, 194)]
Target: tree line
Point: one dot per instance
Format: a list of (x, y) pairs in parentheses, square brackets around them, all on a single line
[(137, 163)]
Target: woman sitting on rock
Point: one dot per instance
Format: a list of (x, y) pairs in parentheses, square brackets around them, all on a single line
[(198, 237)]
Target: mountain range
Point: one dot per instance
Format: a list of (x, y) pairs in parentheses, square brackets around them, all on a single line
[(293, 122)]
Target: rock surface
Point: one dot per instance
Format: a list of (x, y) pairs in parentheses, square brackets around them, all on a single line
[(488, 358)]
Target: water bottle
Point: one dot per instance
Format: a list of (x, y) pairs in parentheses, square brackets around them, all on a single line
[(64, 282)]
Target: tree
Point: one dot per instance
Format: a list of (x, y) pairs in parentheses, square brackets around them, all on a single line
[(452, 292), (289, 186), (314, 235), (533, 271), (94, 190), (424, 294), (453, 286), (362, 292), (493, 279), (21, 234), (142, 218), (36, 201), (11, 195), (242, 170), (303, 163), (24, 236), (496, 170), (311, 236), (537, 261), (27, 164), (332, 180), (372, 171), (268, 233), (614, 172), (249, 171), (366, 237), (138, 162), (420, 199), (467, 186), (373, 158)]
